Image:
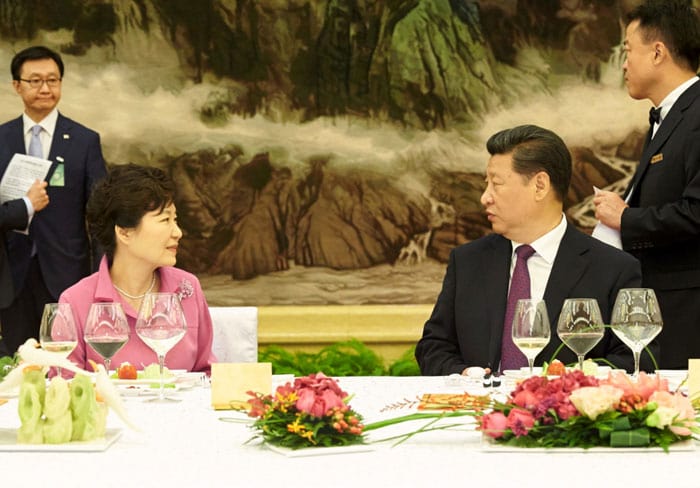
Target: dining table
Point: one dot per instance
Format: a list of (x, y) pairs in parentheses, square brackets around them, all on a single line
[(189, 443)]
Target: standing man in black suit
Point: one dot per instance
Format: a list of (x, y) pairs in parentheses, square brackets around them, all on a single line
[(659, 218), (527, 177), (55, 253), (15, 215)]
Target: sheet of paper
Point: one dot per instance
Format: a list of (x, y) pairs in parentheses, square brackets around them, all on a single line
[(606, 234), (21, 172), (230, 383)]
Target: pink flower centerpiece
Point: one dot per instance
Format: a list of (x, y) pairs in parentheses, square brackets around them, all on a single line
[(313, 411), (572, 410), (575, 410)]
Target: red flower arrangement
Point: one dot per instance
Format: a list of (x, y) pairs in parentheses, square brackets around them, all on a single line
[(313, 411), (575, 410), (572, 410)]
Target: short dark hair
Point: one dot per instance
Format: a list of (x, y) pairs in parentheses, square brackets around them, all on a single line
[(535, 149), (30, 54), (675, 23), (122, 198)]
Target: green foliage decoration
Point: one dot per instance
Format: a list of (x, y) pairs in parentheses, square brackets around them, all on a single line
[(7, 364), (348, 358), (406, 365)]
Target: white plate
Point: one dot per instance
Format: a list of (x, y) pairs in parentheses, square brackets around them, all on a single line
[(524, 372), (183, 381), (8, 442), (143, 390), (144, 381), (602, 370), (673, 373), (321, 451), (12, 393), (675, 378), (281, 379), (175, 374), (490, 445)]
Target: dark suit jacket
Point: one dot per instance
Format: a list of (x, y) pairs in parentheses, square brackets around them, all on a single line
[(59, 230), (466, 326), (13, 215), (662, 226)]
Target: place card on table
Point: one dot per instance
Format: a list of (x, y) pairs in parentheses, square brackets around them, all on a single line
[(693, 378), (231, 381)]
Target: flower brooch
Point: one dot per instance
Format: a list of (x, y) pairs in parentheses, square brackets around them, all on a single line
[(184, 289)]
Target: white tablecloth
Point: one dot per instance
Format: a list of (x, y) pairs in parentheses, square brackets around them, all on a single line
[(186, 444)]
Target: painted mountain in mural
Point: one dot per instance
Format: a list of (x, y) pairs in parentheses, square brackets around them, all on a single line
[(339, 135)]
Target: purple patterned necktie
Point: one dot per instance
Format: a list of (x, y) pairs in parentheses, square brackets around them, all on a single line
[(511, 357)]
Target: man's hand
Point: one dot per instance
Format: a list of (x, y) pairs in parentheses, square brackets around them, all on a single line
[(37, 195), (608, 208)]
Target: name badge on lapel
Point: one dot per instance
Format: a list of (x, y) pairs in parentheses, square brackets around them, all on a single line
[(657, 158), (58, 176)]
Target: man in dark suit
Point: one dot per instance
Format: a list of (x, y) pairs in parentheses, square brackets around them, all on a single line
[(14, 215), (659, 218), (56, 251), (527, 177)]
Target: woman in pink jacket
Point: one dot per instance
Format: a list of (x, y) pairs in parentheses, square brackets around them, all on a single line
[(132, 217)]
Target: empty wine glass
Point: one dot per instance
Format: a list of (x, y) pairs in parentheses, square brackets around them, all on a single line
[(57, 332), (106, 330), (636, 320), (161, 324), (531, 330), (580, 326)]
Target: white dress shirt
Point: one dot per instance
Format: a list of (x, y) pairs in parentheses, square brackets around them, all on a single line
[(667, 103), (48, 126)]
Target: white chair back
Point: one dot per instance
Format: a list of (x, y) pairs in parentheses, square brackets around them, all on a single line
[(235, 334)]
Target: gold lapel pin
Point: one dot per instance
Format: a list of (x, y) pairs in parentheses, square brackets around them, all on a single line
[(657, 158), (66, 136)]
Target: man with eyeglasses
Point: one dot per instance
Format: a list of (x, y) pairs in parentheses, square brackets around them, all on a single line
[(54, 252)]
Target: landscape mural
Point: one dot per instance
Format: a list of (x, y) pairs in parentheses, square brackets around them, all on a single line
[(332, 152)]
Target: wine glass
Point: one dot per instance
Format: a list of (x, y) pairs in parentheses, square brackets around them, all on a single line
[(531, 330), (580, 326), (57, 332), (636, 320), (161, 324), (106, 329)]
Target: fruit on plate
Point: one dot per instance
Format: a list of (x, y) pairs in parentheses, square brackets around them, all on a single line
[(556, 368), (127, 371), (152, 371)]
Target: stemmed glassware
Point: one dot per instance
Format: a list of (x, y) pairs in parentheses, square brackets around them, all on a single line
[(106, 329), (531, 331), (57, 332), (161, 324), (580, 326), (636, 320)]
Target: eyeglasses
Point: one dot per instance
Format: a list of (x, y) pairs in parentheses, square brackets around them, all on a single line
[(38, 82)]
